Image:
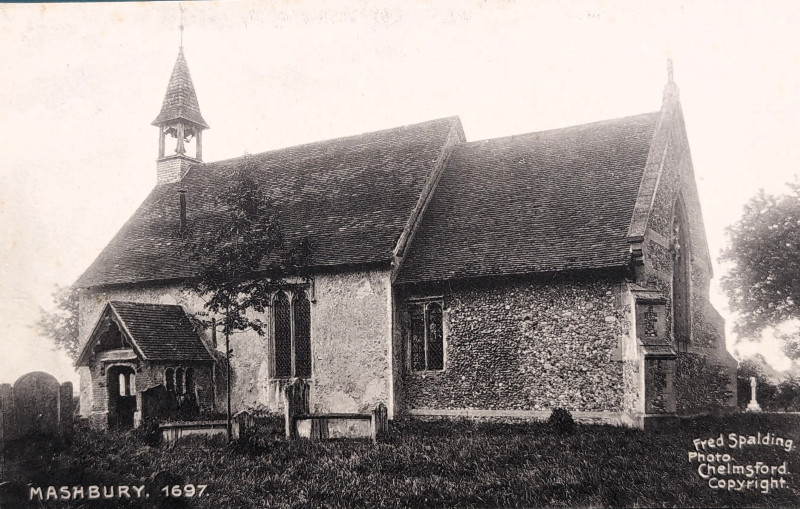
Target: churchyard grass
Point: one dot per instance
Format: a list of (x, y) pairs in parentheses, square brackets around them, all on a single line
[(438, 464)]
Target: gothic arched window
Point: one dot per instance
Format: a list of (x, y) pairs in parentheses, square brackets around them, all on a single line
[(292, 327), (189, 381), (169, 379), (681, 297), (302, 335), (180, 388), (283, 336)]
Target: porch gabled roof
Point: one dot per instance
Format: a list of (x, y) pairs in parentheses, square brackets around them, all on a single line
[(157, 332)]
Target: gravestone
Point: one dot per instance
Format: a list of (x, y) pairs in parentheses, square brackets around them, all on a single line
[(36, 402), (296, 394), (158, 403), (753, 406), (37, 405), (379, 424), (244, 424), (6, 413), (66, 409)]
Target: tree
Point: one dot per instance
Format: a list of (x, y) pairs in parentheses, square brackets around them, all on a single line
[(241, 259), (61, 324), (763, 285), (788, 398)]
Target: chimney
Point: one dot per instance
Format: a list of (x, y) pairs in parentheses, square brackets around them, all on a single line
[(182, 198)]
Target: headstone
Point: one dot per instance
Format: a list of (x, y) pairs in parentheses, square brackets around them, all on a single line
[(7, 427), (753, 406), (319, 429), (35, 405), (158, 403), (296, 403), (66, 410), (379, 423), (243, 424), (36, 397)]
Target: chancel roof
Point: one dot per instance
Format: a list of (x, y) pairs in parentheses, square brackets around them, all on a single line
[(548, 201)]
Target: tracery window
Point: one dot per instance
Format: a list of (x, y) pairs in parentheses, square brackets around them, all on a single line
[(425, 336), (189, 381), (180, 388), (179, 381), (292, 335)]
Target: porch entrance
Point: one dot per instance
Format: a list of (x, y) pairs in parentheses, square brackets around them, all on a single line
[(121, 396)]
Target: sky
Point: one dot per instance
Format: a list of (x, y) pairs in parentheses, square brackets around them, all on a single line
[(81, 83)]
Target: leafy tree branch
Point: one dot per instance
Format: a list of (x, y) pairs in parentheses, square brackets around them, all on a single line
[(763, 285)]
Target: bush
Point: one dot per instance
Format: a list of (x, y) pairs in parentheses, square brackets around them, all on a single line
[(188, 410), (561, 422), (788, 398), (149, 432)]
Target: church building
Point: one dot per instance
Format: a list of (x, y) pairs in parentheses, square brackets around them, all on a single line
[(496, 278)]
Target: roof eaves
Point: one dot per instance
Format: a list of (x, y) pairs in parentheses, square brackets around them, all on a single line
[(513, 274)]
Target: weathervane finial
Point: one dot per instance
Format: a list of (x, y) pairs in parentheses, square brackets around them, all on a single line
[(180, 6), (669, 70)]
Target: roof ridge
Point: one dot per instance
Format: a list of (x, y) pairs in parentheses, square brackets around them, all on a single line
[(113, 302), (561, 129), (452, 118)]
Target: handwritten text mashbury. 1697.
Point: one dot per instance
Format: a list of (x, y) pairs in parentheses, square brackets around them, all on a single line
[(120, 492)]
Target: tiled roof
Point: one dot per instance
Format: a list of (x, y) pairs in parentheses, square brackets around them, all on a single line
[(352, 197), (180, 101), (548, 201), (161, 332)]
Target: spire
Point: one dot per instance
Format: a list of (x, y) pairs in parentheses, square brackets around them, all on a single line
[(179, 120), (180, 101)]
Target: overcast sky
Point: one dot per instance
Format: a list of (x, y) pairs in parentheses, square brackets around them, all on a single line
[(80, 84)]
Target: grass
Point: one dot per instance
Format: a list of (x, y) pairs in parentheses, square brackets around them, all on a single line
[(432, 464)]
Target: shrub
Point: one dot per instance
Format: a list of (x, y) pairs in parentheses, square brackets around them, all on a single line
[(149, 432), (188, 411), (561, 422)]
